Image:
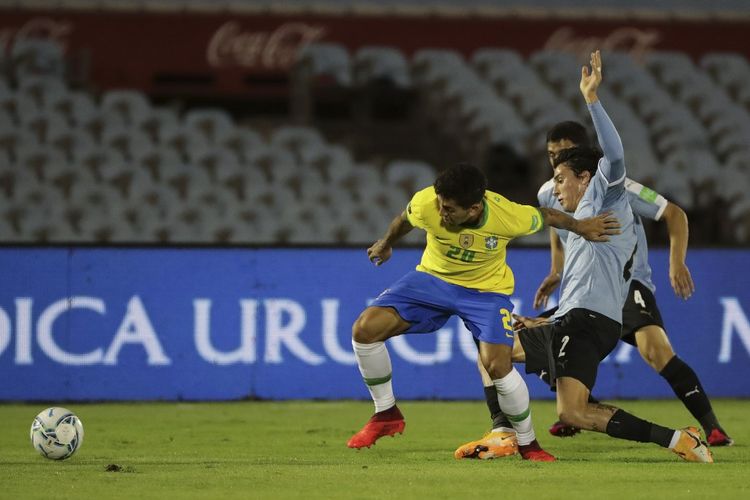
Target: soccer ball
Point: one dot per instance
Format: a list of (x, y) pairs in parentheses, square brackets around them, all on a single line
[(56, 433)]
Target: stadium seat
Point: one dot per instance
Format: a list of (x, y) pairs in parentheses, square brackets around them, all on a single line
[(36, 159), (380, 63), (242, 140), (730, 70), (411, 176), (333, 162), (43, 226), (429, 65), (69, 140), (363, 178), (180, 138), (158, 122), (274, 162), (487, 59), (33, 57), (212, 158), (63, 176), (213, 123), (78, 107), (96, 158), (126, 141), (131, 106), (321, 61), (43, 90), (293, 138)]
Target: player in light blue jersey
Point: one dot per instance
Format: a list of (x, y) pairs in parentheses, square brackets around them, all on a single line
[(594, 284), (642, 325)]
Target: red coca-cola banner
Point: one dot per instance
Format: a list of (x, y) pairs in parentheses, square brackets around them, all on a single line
[(240, 54)]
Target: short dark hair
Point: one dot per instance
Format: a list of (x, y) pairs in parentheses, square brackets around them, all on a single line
[(572, 131), (463, 183), (579, 159)]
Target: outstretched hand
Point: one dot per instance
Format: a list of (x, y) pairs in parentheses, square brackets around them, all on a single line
[(522, 322), (590, 79), (549, 285), (379, 252), (682, 281), (599, 228)]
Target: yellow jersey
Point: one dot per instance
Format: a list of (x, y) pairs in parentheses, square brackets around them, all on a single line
[(472, 257)]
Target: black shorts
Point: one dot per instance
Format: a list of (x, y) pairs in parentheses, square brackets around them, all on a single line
[(640, 310), (573, 346)]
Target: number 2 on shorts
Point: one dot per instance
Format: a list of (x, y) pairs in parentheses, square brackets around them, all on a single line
[(564, 342)]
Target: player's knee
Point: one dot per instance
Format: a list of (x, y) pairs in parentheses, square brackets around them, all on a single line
[(498, 367), (370, 327), (657, 356), (362, 330)]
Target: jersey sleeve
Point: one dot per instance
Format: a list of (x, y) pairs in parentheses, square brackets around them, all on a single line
[(415, 208), (644, 201), (520, 220), (612, 165)]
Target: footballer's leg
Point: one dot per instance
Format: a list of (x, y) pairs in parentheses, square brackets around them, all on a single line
[(513, 396), (369, 332), (653, 345), (500, 422), (577, 358), (643, 327), (615, 422), (501, 440)]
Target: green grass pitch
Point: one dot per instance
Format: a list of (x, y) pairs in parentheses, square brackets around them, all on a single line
[(297, 450)]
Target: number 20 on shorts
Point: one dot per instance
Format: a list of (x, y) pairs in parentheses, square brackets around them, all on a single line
[(506, 319)]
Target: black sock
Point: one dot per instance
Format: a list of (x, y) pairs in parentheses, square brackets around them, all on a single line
[(498, 417), (623, 425), (688, 388)]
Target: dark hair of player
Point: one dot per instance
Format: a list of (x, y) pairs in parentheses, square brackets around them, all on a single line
[(462, 183), (572, 131), (579, 159)]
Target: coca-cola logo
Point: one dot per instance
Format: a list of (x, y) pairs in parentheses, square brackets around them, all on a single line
[(37, 27), (277, 49), (636, 42)]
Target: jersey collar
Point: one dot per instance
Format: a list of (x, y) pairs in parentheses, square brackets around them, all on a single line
[(483, 220)]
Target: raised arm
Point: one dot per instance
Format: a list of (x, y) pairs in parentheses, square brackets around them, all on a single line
[(613, 168), (382, 249)]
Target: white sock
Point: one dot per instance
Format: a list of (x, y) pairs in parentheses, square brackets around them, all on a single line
[(375, 366), (675, 438), (513, 396)]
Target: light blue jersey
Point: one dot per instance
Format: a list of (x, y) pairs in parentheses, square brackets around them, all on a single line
[(597, 276), (644, 202)]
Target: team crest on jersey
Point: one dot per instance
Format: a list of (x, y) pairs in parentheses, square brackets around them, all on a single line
[(466, 240), (490, 242)]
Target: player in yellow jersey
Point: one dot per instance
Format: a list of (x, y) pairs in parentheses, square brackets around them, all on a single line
[(463, 272)]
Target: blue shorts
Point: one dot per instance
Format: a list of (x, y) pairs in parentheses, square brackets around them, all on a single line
[(427, 302)]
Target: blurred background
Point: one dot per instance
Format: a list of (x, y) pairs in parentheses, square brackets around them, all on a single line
[(187, 186), (313, 121)]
